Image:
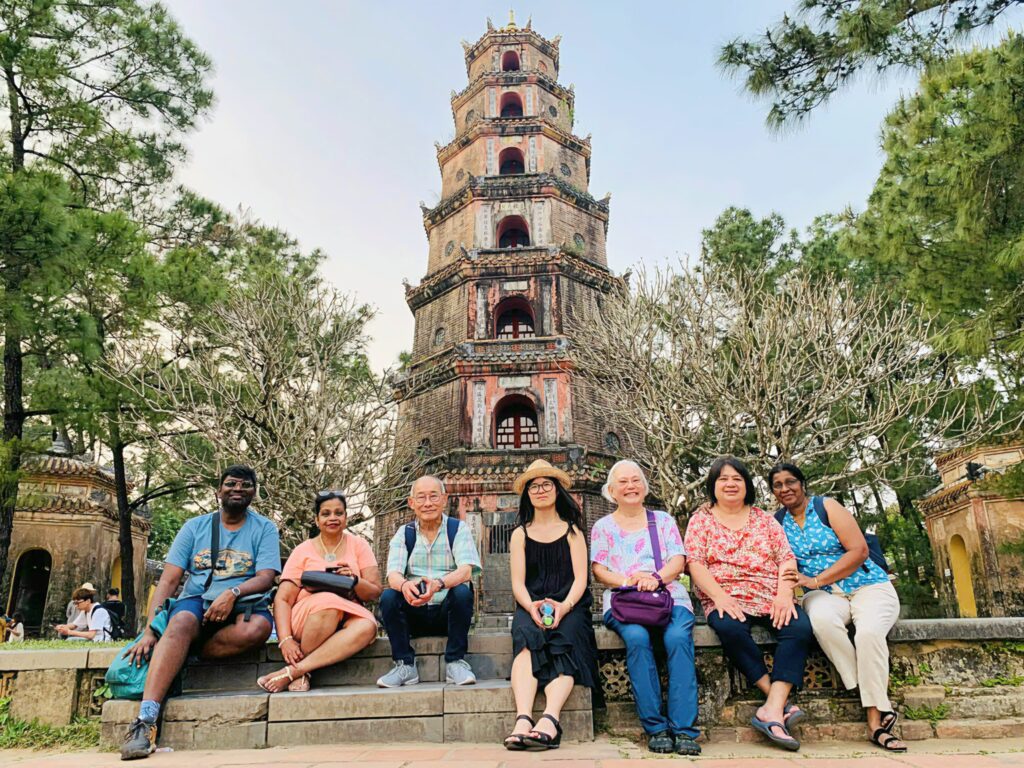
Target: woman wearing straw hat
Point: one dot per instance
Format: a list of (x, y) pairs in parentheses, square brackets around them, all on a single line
[(553, 642)]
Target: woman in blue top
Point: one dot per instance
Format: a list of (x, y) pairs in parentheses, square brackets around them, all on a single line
[(842, 585)]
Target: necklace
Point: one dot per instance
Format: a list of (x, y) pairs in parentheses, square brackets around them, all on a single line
[(331, 556)]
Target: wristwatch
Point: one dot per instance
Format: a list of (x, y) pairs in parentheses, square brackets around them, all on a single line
[(236, 592)]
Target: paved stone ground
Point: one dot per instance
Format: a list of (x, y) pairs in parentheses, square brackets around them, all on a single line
[(605, 752)]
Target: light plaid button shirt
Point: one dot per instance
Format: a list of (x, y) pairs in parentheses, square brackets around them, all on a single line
[(433, 561)]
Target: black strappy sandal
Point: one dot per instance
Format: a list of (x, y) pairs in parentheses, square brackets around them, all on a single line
[(514, 741), (878, 737), (540, 741), (889, 721)]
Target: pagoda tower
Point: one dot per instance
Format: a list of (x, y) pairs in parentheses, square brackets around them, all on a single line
[(516, 255)]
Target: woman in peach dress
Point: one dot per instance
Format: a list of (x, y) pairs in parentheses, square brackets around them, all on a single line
[(317, 629)]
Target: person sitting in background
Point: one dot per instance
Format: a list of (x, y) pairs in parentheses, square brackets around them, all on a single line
[(76, 619), (98, 624), (744, 571), (210, 616), (17, 631), (113, 603), (316, 629), (429, 589), (842, 586)]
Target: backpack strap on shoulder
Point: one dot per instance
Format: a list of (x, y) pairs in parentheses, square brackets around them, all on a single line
[(818, 502), (410, 538), (780, 515), (453, 528)]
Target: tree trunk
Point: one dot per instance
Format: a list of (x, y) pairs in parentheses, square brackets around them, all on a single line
[(124, 527)]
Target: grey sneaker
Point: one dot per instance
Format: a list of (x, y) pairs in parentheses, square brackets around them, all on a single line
[(139, 741), (459, 673), (400, 674)]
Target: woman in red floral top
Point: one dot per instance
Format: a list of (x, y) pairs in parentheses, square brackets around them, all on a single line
[(744, 571)]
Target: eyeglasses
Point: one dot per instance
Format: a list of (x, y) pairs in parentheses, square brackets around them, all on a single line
[(238, 485), (425, 497), (789, 482), (331, 493), (543, 487), (333, 512)]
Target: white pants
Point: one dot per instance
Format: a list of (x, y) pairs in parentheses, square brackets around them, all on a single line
[(873, 609)]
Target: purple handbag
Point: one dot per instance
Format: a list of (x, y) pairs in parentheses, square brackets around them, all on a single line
[(651, 609)]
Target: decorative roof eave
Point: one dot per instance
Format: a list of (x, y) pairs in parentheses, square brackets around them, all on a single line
[(529, 261), (588, 470), (511, 34), (504, 126), (65, 466), (485, 79), (519, 186), (38, 502), (942, 460), (942, 500)]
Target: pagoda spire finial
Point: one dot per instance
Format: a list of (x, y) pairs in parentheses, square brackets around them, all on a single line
[(511, 19)]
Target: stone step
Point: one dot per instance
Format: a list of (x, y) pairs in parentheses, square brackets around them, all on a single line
[(490, 655), (428, 712)]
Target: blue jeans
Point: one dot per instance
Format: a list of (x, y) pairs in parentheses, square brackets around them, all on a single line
[(643, 673), (450, 618)]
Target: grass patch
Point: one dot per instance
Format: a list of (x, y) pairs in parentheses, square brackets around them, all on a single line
[(931, 714), (17, 734), (992, 682), (58, 645)]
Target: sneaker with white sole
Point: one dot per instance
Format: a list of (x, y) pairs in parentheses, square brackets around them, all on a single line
[(139, 741), (459, 673), (400, 674)]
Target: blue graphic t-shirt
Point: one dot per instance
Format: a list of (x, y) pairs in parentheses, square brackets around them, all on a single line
[(253, 547)]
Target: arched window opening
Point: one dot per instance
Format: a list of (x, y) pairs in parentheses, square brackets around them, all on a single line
[(511, 105), (513, 319), (510, 162), (513, 232), (963, 582), (31, 583), (510, 62), (516, 424)]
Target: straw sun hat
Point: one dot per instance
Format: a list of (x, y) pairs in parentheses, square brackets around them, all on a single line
[(541, 468)]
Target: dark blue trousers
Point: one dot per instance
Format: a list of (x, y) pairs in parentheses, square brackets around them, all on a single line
[(794, 639), (450, 618)]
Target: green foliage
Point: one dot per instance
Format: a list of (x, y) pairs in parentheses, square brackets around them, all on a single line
[(806, 57), (167, 517), (931, 714), (83, 733), (945, 223), (1012, 681), (53, 645)]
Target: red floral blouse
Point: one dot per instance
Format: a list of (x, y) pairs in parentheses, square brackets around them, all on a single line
[(745, 563)]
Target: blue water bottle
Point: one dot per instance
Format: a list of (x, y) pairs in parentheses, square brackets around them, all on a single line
[(547, 614)]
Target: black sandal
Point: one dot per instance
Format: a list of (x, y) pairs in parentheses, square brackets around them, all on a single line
[(889, 721), (536, 741), (876, 737), (514, 741)]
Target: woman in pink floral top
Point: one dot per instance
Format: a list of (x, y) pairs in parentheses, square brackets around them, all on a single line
[(744, 572)]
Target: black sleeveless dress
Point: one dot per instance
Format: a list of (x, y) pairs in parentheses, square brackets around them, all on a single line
[(570, 649)]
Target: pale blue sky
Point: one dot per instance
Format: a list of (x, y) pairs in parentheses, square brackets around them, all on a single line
[(327, 114)]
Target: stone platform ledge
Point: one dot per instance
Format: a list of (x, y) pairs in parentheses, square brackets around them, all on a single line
[(905, 631)]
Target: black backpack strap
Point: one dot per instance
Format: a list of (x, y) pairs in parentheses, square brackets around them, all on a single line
[(818, 502), (780, 515), (453, 528), (410, 538), (214, 547)]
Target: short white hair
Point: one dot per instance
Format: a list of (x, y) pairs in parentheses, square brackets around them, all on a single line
[(435, 478), (623, 464)]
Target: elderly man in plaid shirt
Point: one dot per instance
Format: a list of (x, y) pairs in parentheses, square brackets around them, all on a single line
[(430, 566)]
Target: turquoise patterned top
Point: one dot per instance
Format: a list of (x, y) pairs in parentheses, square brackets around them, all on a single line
[(817, 548)]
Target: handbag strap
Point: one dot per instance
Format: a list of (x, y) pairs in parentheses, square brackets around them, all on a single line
[(214, 547), (652, 531)]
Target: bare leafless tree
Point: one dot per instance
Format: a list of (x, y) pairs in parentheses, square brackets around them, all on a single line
[(276, 376), (807, 370)]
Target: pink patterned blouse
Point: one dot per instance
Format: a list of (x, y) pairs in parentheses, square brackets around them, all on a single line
[(745, 563)]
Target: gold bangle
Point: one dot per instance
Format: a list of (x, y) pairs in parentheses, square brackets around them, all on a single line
[(817, 585)]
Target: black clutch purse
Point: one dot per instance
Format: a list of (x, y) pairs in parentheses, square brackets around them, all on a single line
[(326, 581)]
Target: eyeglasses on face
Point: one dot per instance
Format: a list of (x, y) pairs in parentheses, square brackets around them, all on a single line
[(542, 486), (422, 498), (789, 482), (238, 485), (333, 512)]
